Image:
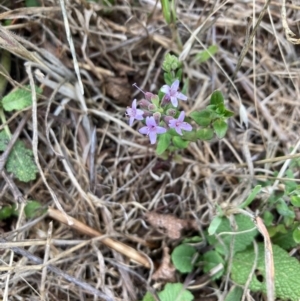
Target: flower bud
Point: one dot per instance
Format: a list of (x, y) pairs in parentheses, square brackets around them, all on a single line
[(144, 103), (157, 116), (167, 119), (148, 95), (152, 107), (171, 112)]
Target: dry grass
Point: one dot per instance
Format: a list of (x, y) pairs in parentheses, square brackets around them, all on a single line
[(110, 179)]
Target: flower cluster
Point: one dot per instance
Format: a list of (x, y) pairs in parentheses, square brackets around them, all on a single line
[(159, 115)]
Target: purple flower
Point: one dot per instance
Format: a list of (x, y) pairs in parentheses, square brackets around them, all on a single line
[(172, 93), (152, 129), (179, 124), (134, 113)]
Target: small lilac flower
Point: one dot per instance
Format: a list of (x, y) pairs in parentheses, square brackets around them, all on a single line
[(172, 93), (134, 113), (179, 124), (152, 129)]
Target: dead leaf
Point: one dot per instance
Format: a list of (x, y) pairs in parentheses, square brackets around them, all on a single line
[(119, 89), (166, 270), (166, 223)]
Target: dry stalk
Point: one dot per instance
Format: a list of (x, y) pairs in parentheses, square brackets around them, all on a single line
[(111, 243)]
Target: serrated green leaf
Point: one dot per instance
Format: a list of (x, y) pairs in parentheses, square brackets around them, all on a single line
[(180, 143), (33, 209), (205, 134), (182, 258), (241, 241), (214, 225), (20, 162), (295, 200), (175, 292), (202, 118), (6, 212), (148, 297), (4, 140), (205, 55), (235, 294), (220, 127), (18, 99), (287, 271), (296, 235), (211, 259), (164, 141), (217, 98)]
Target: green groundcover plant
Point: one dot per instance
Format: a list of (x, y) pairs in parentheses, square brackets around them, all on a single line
[(229, 235)]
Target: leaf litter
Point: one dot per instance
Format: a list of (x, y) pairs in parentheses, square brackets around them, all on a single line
[(116, 47)]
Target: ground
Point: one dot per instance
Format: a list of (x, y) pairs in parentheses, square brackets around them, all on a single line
[(117, 209)]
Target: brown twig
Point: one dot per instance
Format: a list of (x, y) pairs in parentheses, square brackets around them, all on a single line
[(111, 243)]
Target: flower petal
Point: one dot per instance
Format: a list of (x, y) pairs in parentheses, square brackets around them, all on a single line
[(181, 96), (186, 126), (165, 89), (160, 130), (181, 116), (178, 130), (131, 120), (144, 130), (174, 101), (175, 85), (152, 136), (134, 104), (172, 123), (150, 121)]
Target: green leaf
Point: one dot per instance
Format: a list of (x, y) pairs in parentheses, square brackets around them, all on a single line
[(296, 235), (168, 79), (241, 241), (190, 136), (227, 113), (251, 196), (18, 99), (179, 76), (163, 143), (6, 212), (148, 297), (192, 240), (180, 143), (212, 259), (182, 257), (268, 218), (295, 200), (20, 162), (32, 3), (32, 209), (284, 210), (287, 271), (4, 140), (217, 98), (205, 134), (202, 118), (175, 292), (205, 55), (220, 127), (214, 225), (235, 294)]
